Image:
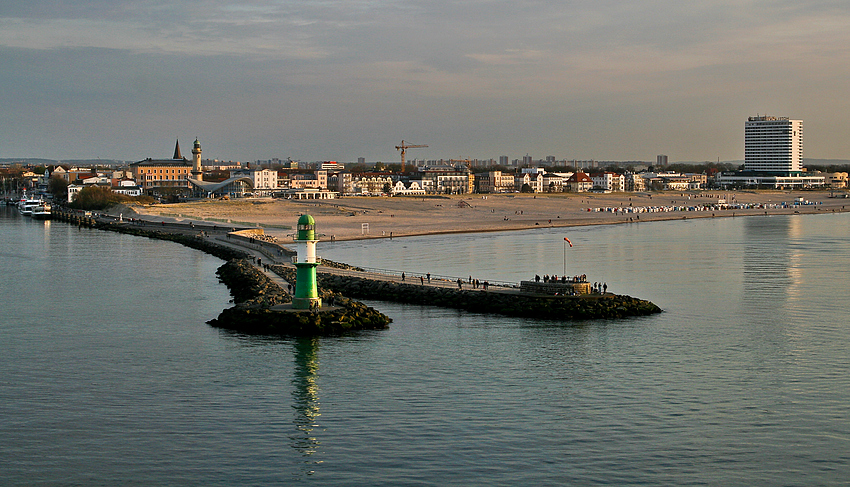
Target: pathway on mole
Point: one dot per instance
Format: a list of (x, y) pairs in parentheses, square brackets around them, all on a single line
[(268, 256), (269, 253)]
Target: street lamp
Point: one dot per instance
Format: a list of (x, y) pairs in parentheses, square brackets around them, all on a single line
[(566, 241)]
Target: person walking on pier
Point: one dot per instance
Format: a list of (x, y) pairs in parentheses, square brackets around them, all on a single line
[(459, 284)]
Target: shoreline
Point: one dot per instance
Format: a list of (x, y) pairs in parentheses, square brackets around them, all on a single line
[(361, 218)]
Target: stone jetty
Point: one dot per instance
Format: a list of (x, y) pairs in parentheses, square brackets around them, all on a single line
[(504, 302), (262, 307)]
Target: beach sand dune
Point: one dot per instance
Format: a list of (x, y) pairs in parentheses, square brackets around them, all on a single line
[(344, 218)]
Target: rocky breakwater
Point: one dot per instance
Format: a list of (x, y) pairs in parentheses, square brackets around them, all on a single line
[(193, 241), (511, 303), (262, 308)]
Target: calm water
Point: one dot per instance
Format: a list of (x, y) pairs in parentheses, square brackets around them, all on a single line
[(110, 376)]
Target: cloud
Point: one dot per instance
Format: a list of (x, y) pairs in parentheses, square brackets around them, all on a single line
[(447, 66)]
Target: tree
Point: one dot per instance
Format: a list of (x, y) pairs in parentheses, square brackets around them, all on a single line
[(526, 188), (96, 198), (58, 187), (102, 197), (387, 189)]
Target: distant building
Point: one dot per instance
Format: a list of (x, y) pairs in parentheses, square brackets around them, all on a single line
[(661, 160), (371, 184), (494, 182), (412, 189), (609, 181), (332, 166), (444, 179), (69, 174), (634, 182), (773, 156), (127, 187), (316, 179), (579, 182), (263, 181), (555, 182), (836, 180), (151, 174), (773, 144), (534, 180), (340, 182)]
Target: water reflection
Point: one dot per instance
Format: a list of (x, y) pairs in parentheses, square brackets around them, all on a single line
[(767, 259), (771, 279), (305, 396)]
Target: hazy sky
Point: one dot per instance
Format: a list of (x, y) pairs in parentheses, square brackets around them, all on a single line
[(336, 80)]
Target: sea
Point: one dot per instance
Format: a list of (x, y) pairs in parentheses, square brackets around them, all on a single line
[(109, 374)]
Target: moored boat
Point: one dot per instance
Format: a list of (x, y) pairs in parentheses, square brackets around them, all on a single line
[(42, 212), (28, 205)]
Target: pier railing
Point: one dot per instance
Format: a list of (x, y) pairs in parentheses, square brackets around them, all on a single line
[(438, 280)]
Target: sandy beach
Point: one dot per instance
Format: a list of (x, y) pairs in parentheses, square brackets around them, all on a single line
[(344, 218)]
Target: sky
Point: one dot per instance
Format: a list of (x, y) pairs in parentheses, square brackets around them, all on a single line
[(336, 80)]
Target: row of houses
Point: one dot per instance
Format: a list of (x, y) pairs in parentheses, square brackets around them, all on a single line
[(153, 176), (449, 180)]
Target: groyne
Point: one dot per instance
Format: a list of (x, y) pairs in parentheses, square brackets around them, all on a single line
[(262, 308), (510, 303)]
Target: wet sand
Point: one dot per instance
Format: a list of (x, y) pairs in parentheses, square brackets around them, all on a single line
[(343, 219)]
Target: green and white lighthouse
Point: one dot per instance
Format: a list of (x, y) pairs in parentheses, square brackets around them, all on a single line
[(306, 290)]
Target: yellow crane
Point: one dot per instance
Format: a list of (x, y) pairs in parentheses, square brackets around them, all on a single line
[(403, 148)]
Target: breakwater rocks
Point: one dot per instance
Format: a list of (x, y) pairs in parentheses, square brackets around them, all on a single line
[(562, 308), (193, 241), (261, 308)]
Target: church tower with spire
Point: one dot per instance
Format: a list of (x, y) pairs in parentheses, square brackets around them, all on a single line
[(177, 155), (197, 172)]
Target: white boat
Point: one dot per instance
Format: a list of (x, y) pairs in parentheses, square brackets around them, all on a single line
[(26, 206), (42, 212)]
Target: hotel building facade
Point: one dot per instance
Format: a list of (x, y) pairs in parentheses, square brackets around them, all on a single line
[(773, 144), (773, 156)]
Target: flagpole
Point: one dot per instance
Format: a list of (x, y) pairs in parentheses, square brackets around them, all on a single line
[(566, 241)]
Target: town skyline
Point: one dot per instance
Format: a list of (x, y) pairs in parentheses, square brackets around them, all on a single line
[(341, 80)]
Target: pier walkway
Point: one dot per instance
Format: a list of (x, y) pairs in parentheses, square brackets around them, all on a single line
[(270, 253), (273, 253)]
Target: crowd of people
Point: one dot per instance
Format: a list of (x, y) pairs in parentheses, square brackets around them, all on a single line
[(563, 279), (596, 288)]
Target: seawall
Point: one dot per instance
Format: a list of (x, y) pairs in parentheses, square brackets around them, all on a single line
[(511, 303)]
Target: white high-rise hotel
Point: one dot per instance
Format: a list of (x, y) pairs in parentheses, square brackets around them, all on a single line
[(773, 156), (773, 144)]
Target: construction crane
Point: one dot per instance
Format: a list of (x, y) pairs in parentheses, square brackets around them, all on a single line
[(403, 148)]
